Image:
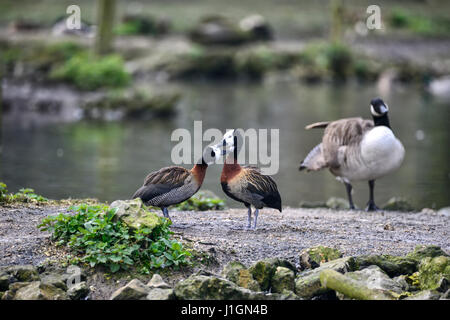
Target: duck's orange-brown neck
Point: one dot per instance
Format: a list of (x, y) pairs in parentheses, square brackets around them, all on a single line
[(199, 172), (230, 169)]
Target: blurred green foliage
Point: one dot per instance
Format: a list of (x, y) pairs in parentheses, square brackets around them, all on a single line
[(419, 24), (201, 201), (25, 195), (89, 72)]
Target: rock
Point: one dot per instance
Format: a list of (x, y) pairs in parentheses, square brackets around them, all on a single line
[(134, 290), (375, 278), (134, 215), (351, 288), (144, 25), (337, 203), (403, 283), (218, 30), (199, 287), (257, 27), (54, 279), (22, 273), (446, 295), (424, 295), (422, 251), (160, 294), (13, 288), (307, 283), (157, 282), (398, 204), (434, 273), (263, 271), (4, 281), (444, 212), (283, 280), (240, 275), (36, 290), (312, 257), (78, 291), (394, 266)]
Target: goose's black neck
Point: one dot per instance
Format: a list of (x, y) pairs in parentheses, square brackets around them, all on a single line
[(382, 121)]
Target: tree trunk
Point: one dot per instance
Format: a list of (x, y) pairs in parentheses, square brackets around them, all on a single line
[(105, 22)]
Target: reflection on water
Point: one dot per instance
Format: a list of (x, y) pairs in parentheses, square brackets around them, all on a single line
[(110, 160)]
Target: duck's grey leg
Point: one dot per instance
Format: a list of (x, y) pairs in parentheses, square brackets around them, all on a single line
[(249, 217), (256, 218), (349, 188), (166, 213), (371, 204)]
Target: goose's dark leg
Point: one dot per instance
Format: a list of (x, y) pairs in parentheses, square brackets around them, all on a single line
[(349, 188), (256, 218), (166, 212), (371, 204)]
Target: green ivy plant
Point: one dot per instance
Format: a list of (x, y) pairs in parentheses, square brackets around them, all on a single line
[(24, 195), (96, 238)]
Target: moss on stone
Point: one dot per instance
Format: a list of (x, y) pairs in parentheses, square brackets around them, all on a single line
[(432, 271)]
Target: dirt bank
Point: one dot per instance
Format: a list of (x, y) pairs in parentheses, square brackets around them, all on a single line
[(223, 236)]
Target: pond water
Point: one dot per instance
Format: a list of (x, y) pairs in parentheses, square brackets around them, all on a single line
[(109, 160)]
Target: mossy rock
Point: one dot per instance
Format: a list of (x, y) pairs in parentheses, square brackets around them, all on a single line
[(394, 266), (398, 204), (434, 273), (423, 251), (263, 271), (21, 273), (40, 291), (132, 103), (307, 283), (202, 287), (283, 280), (312, 257), (238, 273), (134, 214), (133, 290)]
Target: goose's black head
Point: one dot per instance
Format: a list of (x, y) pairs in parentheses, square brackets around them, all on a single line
[(379, 111)]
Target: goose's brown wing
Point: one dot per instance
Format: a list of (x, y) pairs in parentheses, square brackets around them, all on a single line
[(263, 186), (344, 132), (162, 181)]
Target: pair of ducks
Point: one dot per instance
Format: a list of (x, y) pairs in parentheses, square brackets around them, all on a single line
[(353, 149)]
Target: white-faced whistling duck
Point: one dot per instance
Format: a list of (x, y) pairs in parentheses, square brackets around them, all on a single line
[(246, 184), (172, 185)]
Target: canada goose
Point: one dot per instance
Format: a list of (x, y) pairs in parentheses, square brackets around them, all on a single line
[(246, 184), (172, 185), (355, 149)]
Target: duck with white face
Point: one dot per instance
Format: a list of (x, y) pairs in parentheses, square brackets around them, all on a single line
[(354, 149), (174, 184), (245, 184)]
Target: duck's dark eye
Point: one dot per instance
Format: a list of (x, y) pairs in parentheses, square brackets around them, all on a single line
[(213, 154)]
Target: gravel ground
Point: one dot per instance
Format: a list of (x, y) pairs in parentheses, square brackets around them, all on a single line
[(222, 234)]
